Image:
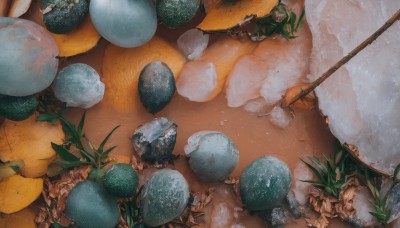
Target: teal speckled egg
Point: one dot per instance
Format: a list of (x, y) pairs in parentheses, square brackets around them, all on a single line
[(264, 183)]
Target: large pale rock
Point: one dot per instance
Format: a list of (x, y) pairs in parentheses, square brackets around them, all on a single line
[(362, 99)]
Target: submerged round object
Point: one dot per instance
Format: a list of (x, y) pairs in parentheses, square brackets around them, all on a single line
[(125, 23), (212, 155), (164, 197), (17, 108), (28, 62), (89, 205), (155, 140), (264, 183), (64, 15), (79, 85), (156, 86), (174, 13)]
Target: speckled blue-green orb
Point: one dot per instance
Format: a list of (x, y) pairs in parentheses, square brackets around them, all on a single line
[(90, 206), (212, 155), (164, 197), (264, 183), (125, 23)]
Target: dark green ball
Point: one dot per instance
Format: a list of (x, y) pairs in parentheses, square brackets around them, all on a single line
[(121, 180), (156, 86), (17, 108), (264, 183), (174, 13), (65, 15)]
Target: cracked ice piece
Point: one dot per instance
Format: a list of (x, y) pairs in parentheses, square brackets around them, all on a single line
[(192, 43)]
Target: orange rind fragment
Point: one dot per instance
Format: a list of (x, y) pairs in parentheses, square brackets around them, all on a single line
[(18, 7), (22, 219), (79, 41), (305, 103), (30, 142), (17, 192), (228, 15), (122, 67)]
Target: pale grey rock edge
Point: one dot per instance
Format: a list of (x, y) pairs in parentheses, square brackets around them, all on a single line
[(362, 99)]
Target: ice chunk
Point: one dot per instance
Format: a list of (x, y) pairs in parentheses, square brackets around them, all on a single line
[(362, 99), (28, 62), (222, 215), (198, 79), (79, 85), (280, 117), (362, 205), (203, 79), (257, 105), (300, 188), (192, 43), (245, 80), (288, 61)]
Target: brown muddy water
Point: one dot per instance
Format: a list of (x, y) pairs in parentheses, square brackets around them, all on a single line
[(254, 135)]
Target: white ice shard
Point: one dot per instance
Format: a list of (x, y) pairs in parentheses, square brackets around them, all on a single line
[(192, 43), (280, 117), (288, 60), (245, 80), (362, 99)]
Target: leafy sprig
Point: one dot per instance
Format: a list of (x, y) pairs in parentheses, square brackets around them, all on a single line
[(280, 21), (49, 108), (132, 209), (380, 202), (332, 174), (96, 157)]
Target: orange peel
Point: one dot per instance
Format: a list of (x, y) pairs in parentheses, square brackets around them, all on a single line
[(121, 69), (228, 15), (79, 41)]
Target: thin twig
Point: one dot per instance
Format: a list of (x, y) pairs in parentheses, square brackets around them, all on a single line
[(345, 59)]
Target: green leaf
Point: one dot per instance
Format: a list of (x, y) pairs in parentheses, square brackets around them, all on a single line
[(104, 155), (396, 172), (81, 123), (64, 153), (300, 20), (100, 149), (88, 156), (314, 170)]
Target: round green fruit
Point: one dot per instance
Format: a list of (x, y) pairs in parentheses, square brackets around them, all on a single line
[(121, 180), (17, 108), (89, 205), (174, 13), (63, 16), (156, 86), (264, 183), (164, 197)]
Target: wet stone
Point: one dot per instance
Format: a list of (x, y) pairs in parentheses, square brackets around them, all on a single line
[(155, 140)]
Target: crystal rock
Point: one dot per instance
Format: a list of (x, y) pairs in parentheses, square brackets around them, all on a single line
[(279, 117), (245, 80), (28, 62), (363, 206), (192, 43), (288, 60), (79, 85), (362, 98)]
